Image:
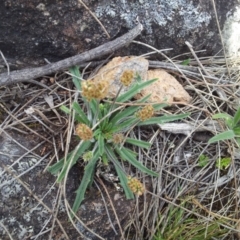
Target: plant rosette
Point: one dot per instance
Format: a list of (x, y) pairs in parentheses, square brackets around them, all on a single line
[(103, 128)]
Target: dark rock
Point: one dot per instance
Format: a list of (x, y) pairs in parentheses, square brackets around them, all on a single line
[(24, 216), (51, 29)]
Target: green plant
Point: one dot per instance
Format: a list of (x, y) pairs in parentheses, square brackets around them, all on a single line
[(103, 127), (186, 62), (203, 160), (223, 163), (178, 224), (233, 124)]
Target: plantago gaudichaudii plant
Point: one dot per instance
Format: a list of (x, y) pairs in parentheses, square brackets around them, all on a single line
[(103, 129)]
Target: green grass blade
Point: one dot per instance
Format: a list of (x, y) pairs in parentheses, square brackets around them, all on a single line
[(87, 178), (222, 136), (82, 147), (125, 154), (80, 112), (236, 118), (134, 90), (138, 143), (163, 119), (76, 77)]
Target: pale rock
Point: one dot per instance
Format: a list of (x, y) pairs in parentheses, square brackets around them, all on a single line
[(166, 89), (115, 68)]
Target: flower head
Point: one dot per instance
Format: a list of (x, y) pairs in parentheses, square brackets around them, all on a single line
[(84, 132), (87, 156), (118, 138), (127, 77), (145, 113), (98, 90), (136, 186)]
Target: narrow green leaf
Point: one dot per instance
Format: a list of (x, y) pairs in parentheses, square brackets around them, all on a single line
[(236, 118), (81, 148), (96, 132), (160, 106), (134, 154), (222, 115), (237, 131), (108, 127), (228, 118), (144, 99), (94, 107), (104, 159), (222, 136), (124, 182), (163, 119), (127, 111), (104, 108), (87, 178), (134, 90), (138, 78), (121, 174), (76, 77), (103, 124), (101, 144), (138, 143), (126, 124), (65, 109), (80, 112), (78, 119), (55, 168), (123, 114), (124, 153)]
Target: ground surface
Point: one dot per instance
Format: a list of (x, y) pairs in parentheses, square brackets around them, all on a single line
[(34, 207)]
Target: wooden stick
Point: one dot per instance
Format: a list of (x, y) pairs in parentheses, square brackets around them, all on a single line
[(28, 74)]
